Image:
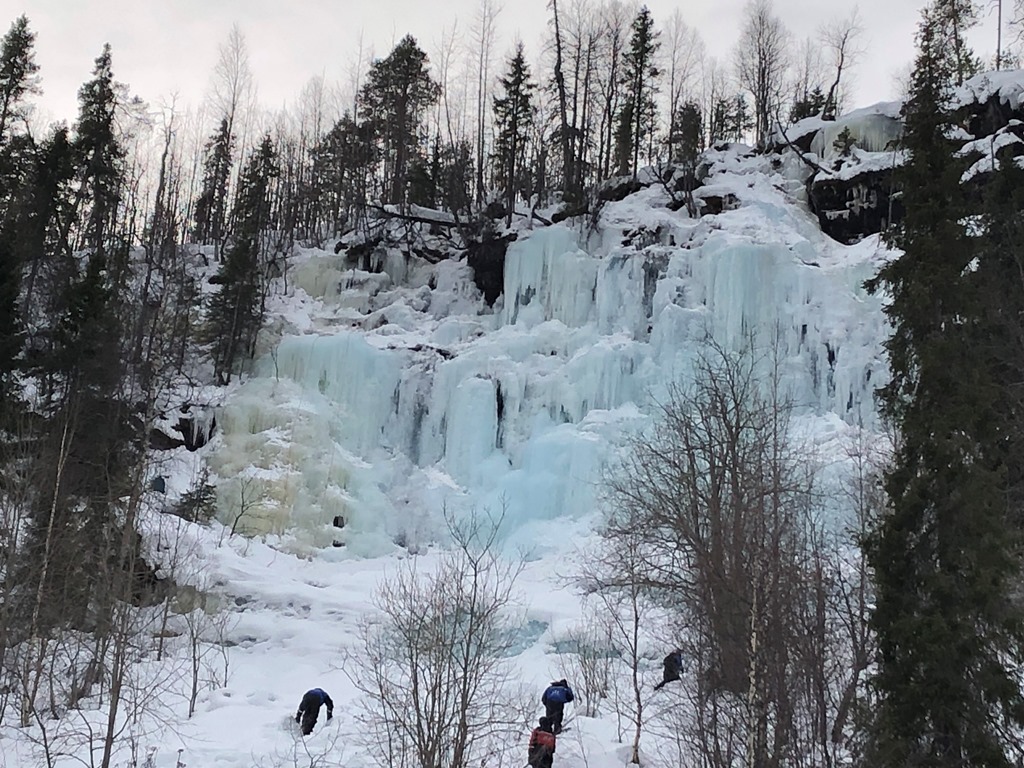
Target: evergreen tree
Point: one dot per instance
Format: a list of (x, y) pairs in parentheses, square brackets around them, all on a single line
[(17, 71), (236, 311), (48, 210), (101, 153), (17, 156), (397, 93), (342, 164), (688, 136), (89, 446), (212, 202), (640, 79), (623, 139), (945, 556), (953, 19), (731, 120), (90, 441), (514, 111), (741, 119), (17, 80), (423, 178), (453, 173), (807, 105)]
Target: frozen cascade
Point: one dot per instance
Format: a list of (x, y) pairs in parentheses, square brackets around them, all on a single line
[(439, 403), (548, 277), (874, 129)]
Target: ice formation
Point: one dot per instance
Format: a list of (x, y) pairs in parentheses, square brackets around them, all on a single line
[(874, 129), (384, 399)]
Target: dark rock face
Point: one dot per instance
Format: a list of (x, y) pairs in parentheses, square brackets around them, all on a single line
[(487, 260), (985, 119), (195, 427), (195, 430), (618, 188), (160, 441), (715, 204), (850, 209), (365, 255)]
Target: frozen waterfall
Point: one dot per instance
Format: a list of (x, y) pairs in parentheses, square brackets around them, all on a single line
[(396, 397)]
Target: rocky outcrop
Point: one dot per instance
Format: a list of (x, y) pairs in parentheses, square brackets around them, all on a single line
[(487, 260), (849, 208), (194, 424)]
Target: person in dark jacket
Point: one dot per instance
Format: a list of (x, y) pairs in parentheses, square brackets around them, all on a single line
[(542, 745), (673, 666), (555, 697), (309, 709)]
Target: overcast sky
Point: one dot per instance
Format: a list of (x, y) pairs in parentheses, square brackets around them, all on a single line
[(165, 46)]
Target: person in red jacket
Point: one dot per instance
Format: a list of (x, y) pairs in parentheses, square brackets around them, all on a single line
[(542, 745)]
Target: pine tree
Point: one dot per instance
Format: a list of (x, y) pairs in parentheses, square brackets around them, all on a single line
[(90, 440), (397, 93), (514, 112), (640, 78), (17, 156), (623, 139), (423, 178), (945, 557), (235, 314)]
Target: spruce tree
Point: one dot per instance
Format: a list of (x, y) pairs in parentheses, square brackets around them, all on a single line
[(235, 314), (18, 71), (17, 150), (514, 111), (90, 440), (688, 135), (101, 153), (342, 164), (945, 556), (213, 197), (640, 79)]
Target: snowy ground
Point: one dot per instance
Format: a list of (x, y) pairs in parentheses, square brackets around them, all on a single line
[(386, 398), (291, 621)]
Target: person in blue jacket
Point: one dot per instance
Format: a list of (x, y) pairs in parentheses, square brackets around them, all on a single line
[(555, 697), (309, 709)]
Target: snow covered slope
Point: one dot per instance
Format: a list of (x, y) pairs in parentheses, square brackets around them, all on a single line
[(384, 399)]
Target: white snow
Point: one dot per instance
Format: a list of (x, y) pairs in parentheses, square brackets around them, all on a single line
[(388, 399), (1007, 85)]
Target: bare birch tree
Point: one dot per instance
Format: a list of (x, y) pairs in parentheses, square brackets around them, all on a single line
[(718, 500), (483, 34), (841, 41), (685, 50), (762, 61)]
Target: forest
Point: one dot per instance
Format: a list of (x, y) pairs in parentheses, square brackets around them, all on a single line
[(139, 245)]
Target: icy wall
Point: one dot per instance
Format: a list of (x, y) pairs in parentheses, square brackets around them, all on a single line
[(384, 399)]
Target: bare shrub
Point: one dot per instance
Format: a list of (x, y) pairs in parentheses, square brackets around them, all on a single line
[(587, 653), (432, 662), (717, 511)]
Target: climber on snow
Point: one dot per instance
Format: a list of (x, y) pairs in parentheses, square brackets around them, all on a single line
[(555, 697), (542, 745), (673, 666), (309, 709)]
